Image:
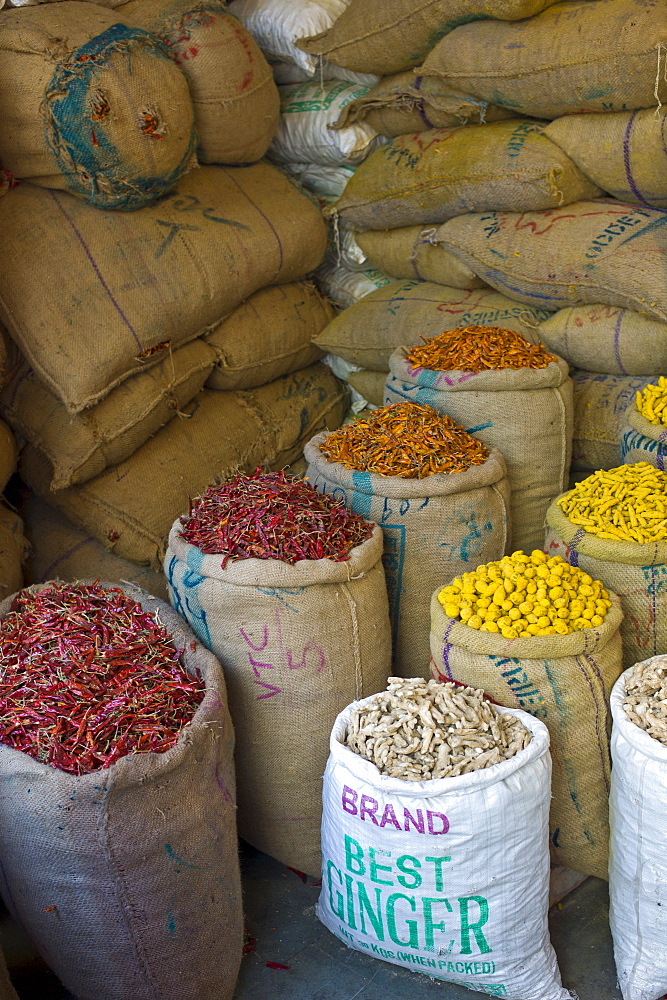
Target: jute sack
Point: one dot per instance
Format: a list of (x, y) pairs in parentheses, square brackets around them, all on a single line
[(112, 847), (8, 454), (235, 99), (428, 177), (130, 507), (269, 335), (404, 103), (296, 643), (345, 286), (368, 384), (305, 133), (565, 681), (603, 339), (642, 441), (434, 529), (635, 572), (600, 405), (624, 153), (277, 24), (404, 311), (410, 252), (12, 550), (285, 73), (116, 292), (80, 447), (92, 106), (59, 550), (526, 413), (637, 875), (397, 34), (490, 824), (595, 55), (590, 252)]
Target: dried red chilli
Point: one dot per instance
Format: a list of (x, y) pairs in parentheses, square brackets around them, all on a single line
[(87, 677), (272, 515)]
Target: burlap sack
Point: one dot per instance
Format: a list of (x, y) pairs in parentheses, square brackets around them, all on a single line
[(635, 572), (600, 405), (235, 100), (411, 252), (404, 311), (404, 103), (434, 529), (603, 339), (595, 55), (397, 34), (116, 291), (624, 153), (526, 413), (428, 177), (92, 106), (141, 859), (131, 506), (12, 550), (566, 681), (8, 454), (79, 447), (590, 252), (368, 384), (269, 335), (59, 550), (642, 441), (297, 644)]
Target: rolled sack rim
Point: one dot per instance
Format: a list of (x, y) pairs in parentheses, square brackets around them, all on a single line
[(453, 632), (364, 770), (639, 423), (275, 572), (616, 550), (139, 768), (622, 726), (440, 484), (493, 380)]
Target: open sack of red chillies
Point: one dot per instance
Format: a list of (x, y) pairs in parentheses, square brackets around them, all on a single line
[(287, 588), (118, 841)]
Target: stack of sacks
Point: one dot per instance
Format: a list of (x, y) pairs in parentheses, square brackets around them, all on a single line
[(139, 319), (553, 193)]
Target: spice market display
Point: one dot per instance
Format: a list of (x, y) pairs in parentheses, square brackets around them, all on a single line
[(333, 462)]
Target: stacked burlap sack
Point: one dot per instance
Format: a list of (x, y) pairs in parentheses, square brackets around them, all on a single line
[(168, 340), (542, 177), (12, 542)]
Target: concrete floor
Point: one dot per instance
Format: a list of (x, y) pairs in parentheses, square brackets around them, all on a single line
[(282, 928)]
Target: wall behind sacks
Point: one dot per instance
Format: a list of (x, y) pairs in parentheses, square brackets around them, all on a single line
[(91, 105), (131, 507), (118, 291)]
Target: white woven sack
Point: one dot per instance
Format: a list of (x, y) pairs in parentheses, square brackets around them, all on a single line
[(304, 134), (277, 24), (284, 73), (638, 854), (448, 876), (327, 182), (346, 287)]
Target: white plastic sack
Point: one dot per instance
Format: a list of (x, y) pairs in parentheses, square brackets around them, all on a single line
[(284, 73), (343, 369), (277, 24), (638, 855), (327, 182), (345, 287), (304, 134), (449, 877)]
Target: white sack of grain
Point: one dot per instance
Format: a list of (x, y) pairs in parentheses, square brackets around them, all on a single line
[(276, 25)]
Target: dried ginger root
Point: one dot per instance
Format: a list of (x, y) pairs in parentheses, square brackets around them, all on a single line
[(417, 730), (646, 697)]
